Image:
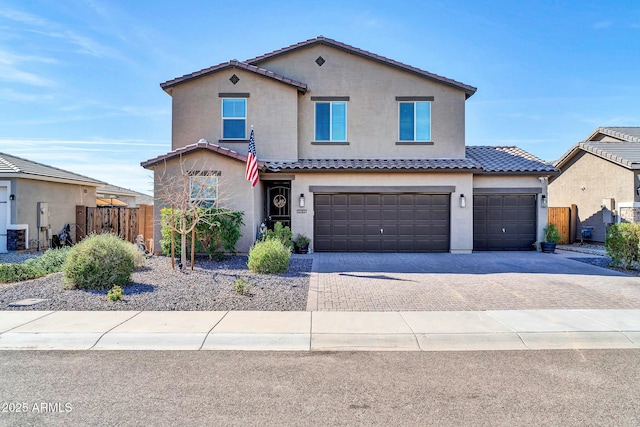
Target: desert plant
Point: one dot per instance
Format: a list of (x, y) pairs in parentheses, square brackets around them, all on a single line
[(269, 256), (49, 262), (242, 286), (100, 261), (138, 256), (551, 234), (622, 244), (115, 294), (280, 232)]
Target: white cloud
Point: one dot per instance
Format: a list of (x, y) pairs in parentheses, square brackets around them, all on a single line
[(13, 96), (24, 18), (13, 74)]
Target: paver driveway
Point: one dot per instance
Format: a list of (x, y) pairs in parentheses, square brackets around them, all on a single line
[(479, 281)]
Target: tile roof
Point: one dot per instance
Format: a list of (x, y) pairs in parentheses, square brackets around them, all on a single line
[(629, 133), (114, 189), (23, 168), (479, 159), (376, 164), (508, 160), (469, 90), (302, 87), (626, 154), (203, 144)]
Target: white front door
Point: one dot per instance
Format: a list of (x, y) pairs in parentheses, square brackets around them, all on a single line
[(4, 216)]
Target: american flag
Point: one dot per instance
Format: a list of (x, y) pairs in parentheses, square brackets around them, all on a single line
[(251, 172)]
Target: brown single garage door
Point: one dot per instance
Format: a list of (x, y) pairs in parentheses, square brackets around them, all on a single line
[(381, 222), (504, 222)]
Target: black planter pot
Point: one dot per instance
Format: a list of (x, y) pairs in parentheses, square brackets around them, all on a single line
[(301, 249), (548, 247)]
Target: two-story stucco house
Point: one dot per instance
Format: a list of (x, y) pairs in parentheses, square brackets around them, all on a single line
[(601, 177), (357, 151)]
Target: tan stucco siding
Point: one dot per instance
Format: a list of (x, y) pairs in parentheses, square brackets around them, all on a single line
[(271, 109), (461, 218), (585, 182), (509, 183), (234, 192), (61, 198), (372, 109)]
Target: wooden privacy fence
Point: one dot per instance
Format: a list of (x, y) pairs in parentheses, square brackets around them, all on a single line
[(561, 218), (122, 221)]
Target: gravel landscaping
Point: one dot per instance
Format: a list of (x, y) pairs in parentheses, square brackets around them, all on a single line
[(157, 287)]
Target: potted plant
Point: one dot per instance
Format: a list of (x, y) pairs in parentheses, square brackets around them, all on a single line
[(551, 238), (301, 244)]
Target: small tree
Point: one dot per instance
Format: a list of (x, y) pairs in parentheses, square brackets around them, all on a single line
[(186, 193)]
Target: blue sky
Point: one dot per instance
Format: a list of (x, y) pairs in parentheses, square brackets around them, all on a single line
[(79, 79)]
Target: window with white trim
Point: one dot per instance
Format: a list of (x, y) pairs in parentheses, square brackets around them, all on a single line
[(203, 188), (414, 121), (234, 118), (331, 121)]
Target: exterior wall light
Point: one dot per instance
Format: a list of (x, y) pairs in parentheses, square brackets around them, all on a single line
[(543, 201), (301, 201), (12, 197), (463, 201)]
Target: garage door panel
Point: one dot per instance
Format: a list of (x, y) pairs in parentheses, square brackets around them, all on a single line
[(389, 215), (340, 230), (356, 215), (339, 245), (340, 214), (356, 200), (356, 230), (322, 200)]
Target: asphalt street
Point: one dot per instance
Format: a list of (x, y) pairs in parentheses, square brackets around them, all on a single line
[(569, 387)]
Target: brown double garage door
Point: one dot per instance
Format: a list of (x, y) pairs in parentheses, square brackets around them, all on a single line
[(382, 222)]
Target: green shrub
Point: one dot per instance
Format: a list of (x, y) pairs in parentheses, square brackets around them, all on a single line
[(218, 233), (551, 234), (49, 262), (242, 286), (115, 294), (99, 262), (10, 273), (623, 244), (280, 232), (269, 256), (138, 256)]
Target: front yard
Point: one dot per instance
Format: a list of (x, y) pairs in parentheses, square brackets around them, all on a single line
[(157, 287)]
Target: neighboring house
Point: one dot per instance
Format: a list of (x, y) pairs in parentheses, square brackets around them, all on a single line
[(357, 151), (37, 200), (601, 176), (112, 195)]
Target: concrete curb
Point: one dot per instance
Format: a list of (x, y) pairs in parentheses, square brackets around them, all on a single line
[(321, 331)]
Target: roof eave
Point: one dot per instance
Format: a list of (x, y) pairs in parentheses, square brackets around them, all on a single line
[(25, 175), (521, 173), (469, 90), (170, 84)]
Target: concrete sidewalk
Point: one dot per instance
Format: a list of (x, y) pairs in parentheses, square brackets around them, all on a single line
[(320, 331)]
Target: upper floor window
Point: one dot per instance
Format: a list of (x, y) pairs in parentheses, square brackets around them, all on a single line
[(234, 118), (415, 121), (331, 121)]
